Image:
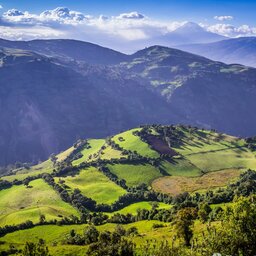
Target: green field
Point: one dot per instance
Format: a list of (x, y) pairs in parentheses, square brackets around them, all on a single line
[(94, 184), (19, 204), (240, 158), (180, 167), (63, 155), (132, 208), (127, 140), (205, 161), (44, 167), (205, 141), (52, 233), (111, 153), (95, 146), (135, 174)]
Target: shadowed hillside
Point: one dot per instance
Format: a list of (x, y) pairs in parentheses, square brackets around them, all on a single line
[(62, 97)]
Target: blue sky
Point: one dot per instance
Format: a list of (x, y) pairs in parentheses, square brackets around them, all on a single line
[(121, 24), (243, 11)]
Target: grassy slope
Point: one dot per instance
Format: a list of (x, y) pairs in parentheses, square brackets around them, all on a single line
[(44, 167), (63, 155), (132, 208), (19, 203), (210, 151), (95, 147), (110, 153), (204, 150), (56, 233), (135, 174), (180, 167), (205, 141), (230, 158), (133, 143), (96, 185)]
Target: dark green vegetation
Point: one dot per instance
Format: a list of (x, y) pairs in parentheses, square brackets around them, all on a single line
[(62, 95), (157, 183)]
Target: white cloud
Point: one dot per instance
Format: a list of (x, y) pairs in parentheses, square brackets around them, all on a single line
[(232, 31), (223, 18), (131, 15), (13, 13), (21, 33), (128, 30), (63, 14), (131, 26), (1, 7)]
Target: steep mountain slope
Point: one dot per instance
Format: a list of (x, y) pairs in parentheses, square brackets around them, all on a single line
[(202, 92), (45, 106), (71, 49), (48, 102), (189, 33), (238, 50)]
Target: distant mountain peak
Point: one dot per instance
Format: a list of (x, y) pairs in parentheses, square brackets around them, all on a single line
[(189, 33), (190, 27)]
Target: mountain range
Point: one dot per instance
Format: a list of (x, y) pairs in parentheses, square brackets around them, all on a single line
[(51, 95), (190, 33), (236, 50)]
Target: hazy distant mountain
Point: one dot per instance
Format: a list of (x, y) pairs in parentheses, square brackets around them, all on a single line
[(72, 49), (45, 106), (239, 50), (189, 33), (200, 91), (47, 103)]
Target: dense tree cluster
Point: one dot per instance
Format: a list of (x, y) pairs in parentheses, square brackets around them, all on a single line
[(251, 143), (35, 249), (104, 243), (12, 228)]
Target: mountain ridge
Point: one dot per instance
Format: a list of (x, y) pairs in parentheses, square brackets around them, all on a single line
[(190, 32), (237, 50), (62, 99)]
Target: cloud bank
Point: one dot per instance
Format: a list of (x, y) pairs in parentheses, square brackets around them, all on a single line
[(134, 28)]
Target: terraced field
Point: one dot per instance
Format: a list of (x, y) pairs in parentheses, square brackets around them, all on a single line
[(20, 203)]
